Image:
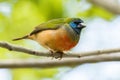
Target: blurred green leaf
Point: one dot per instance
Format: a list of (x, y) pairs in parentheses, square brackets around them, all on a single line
[(95, 11), (33, 74)]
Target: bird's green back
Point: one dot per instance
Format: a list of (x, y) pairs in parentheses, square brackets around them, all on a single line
[(51, 25)]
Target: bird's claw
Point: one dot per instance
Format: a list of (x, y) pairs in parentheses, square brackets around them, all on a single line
[(56, 55)]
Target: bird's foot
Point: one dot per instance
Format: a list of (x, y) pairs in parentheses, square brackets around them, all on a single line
[(52, 54), (59, 55), (56, 54)]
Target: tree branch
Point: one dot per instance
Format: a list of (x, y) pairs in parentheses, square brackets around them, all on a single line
[(70, 55), (110, 5), (86, 57), (46, 63)]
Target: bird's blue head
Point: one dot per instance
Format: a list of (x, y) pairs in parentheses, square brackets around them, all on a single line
[(77, 25)]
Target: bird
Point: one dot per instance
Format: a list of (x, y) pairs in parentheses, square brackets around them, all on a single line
[(57, 35)]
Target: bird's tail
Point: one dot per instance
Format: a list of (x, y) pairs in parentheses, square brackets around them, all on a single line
[(24, 37)]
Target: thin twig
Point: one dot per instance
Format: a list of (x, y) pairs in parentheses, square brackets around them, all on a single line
[(70, 55)]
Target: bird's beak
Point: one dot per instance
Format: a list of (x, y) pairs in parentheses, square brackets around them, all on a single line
[(81, 25)]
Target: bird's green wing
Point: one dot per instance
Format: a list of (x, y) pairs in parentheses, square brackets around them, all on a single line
[(50, 25)]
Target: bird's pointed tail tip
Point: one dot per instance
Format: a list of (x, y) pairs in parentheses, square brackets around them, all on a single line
[(24, 37)]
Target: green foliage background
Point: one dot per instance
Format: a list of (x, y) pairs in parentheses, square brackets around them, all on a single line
[(24, 15)]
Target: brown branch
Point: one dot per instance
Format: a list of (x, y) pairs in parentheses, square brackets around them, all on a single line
[(46, 63), (86, 57), (70, 55), (110, 5)]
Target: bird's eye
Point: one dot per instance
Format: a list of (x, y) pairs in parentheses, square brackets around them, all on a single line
[(76, 23)]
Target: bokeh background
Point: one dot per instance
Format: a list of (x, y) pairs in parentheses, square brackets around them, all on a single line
[(19, 17)]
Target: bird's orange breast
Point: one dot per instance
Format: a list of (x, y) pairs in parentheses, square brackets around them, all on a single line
[(57, 40)]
